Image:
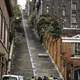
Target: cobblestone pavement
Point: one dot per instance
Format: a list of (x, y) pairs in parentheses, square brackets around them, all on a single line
[(21, 60)]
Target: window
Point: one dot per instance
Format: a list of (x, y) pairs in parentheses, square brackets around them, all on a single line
[(73, 6), (76, 48), (74, 26), (63, 12), (3, 29), (73, 20), (77, 74), (73, 14)]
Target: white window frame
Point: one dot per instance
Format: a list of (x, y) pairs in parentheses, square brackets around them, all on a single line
[(73, 19), (74, 6), (74, 49)]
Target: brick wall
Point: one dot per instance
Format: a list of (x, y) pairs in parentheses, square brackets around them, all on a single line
[(55, 49)]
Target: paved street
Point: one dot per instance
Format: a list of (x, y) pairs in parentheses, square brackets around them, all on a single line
[(41, 65)]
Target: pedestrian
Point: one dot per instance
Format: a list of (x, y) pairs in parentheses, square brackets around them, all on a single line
[(39, 78), (45, 78)]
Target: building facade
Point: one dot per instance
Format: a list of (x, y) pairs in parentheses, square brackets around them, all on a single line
[(5, 14)]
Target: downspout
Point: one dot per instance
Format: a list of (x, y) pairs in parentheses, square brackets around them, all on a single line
[(10, 57)]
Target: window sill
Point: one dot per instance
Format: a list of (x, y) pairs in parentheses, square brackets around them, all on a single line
[(75, 57)]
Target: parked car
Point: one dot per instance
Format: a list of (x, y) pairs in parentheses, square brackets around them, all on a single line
[(12, 77)]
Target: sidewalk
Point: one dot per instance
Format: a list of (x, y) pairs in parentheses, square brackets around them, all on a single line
[(41, 63), (21, 64)]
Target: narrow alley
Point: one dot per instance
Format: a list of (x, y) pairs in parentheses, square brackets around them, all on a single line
[(28, 59)]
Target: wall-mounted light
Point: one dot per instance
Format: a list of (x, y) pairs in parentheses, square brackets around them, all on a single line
[(30, 0)]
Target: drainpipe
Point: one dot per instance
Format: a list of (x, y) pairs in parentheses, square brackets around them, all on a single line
[(10, 57)]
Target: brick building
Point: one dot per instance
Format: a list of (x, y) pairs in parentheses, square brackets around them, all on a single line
[(65, 54)]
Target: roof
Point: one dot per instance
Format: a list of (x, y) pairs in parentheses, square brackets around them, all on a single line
[(75, 38)]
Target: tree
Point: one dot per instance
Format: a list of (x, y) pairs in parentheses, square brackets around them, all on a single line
[(50, 24), (17, 13), (55, 28), (14, 21), (31, 19), (42, 24)]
